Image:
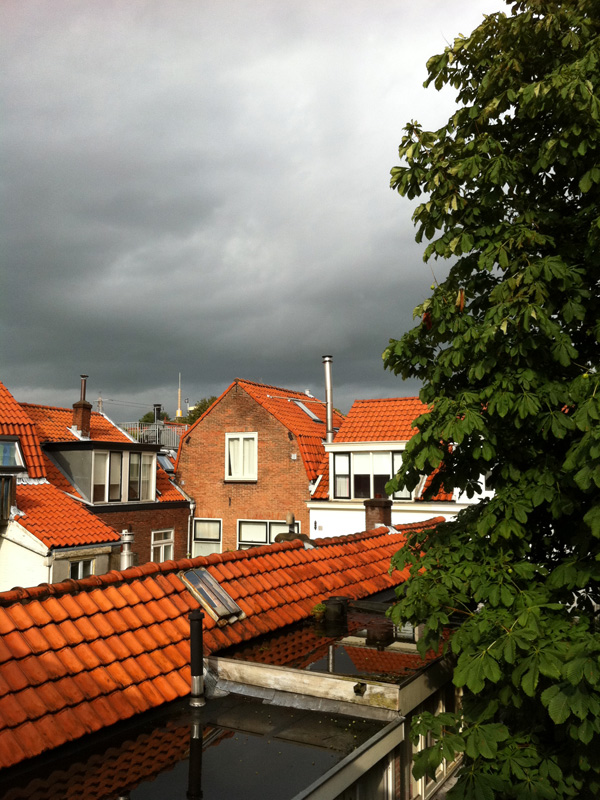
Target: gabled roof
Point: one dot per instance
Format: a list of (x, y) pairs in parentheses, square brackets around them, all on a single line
[(384, 420), (57, 520), (79, 656), (15, 422), (280, 404), (54, 425)]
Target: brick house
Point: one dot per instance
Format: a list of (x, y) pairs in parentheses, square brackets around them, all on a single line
[(117, 478), (365, 453), (249, 461)]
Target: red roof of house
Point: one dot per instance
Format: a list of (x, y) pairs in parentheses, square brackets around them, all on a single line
[(79, 656), (57, 520), (15, 422), (280, 403), (385, 420), (54, 425)]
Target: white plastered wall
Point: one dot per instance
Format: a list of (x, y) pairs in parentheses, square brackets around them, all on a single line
[(23, 559)]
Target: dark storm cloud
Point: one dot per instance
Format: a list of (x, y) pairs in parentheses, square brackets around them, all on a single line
[(202, 187)]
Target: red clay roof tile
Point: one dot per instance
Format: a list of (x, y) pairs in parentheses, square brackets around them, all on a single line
[(144, 648)]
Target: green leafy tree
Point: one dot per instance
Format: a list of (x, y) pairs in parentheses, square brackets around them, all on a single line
[(507, 349), (149, 417), (199, 409)]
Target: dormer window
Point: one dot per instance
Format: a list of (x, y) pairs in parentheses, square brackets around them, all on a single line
[(123, 477), (364, 474), (11, 457)]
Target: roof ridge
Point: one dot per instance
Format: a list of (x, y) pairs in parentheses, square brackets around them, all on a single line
[(118, 577), (388, 399), (278, 388)]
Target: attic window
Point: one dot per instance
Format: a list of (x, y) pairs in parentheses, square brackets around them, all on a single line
[(307, 410), (211, 596), (11, 458)]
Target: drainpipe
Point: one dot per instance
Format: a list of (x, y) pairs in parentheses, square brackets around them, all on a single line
[(126, 551), (190, 525), (328, 398), (196, 659)]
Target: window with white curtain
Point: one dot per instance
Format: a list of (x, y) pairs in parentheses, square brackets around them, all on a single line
[(241, 456)]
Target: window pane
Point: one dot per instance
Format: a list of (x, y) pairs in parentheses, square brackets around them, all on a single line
[(253, 532), (146, 482), (207, 529), (403, 494), (235, 458), (10, 455), (382, 463), (134, 476), (86, 568), (379, 482), (249, 468), (280, 527), (362, 463), (362, 486), (341, 479), (114, 478), (99, 485), (205, 548)]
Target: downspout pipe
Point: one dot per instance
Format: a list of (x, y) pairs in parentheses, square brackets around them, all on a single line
[(196, 659), (327, 360), (190, 527)]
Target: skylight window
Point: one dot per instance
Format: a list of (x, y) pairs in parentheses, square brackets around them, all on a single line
[(11, 457), (307, 411), (211, 596)]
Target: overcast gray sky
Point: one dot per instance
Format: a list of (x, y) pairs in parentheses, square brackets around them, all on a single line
[(202, 187)]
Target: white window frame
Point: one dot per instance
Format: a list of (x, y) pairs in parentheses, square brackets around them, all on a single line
[(164, 546), (11, 447), (244, 471), (395, 460), (80, 568), (208, 544), (147, 463), (272, 527)]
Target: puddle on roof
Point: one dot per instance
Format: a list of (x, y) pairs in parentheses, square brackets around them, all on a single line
[(234, 747), (367, 645)]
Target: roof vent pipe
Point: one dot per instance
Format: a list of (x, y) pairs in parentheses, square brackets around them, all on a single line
[(196, 618), (83, 386), (126, 551), (328, 398)]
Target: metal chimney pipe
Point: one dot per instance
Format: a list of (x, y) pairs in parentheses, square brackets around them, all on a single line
[(126, 551), (196, 659), (83, 383), (328, 398)]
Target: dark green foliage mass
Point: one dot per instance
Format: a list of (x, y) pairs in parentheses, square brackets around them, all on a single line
[(507, 348)]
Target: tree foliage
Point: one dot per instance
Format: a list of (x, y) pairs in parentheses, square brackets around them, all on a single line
[(507, 348), (148, 417), (201, 406)]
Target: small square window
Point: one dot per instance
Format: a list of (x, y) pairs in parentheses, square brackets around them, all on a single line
[(81, 569), (162, 545)]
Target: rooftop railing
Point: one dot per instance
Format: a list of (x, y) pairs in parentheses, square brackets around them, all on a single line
[(166, 435)]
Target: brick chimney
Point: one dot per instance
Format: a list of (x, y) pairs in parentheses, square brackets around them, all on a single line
[(82, 412), (378, 512)]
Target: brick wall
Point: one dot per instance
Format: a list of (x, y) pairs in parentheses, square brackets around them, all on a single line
[(142, 522), (282, 483)]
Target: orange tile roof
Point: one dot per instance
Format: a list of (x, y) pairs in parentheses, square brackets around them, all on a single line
[(384, 420), (310, 434), (279, 402), (54, 425), (80, 655), (15, 422), (388, 663), (57, 520)]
